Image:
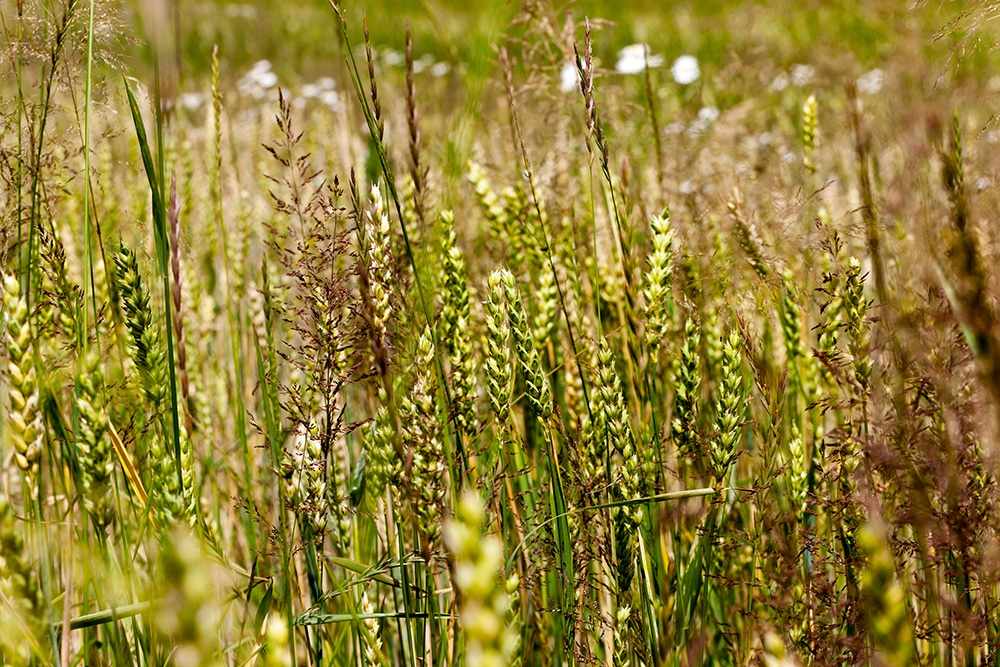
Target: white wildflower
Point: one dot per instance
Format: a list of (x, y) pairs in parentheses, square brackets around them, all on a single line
[(802, 75), (780, 82), (267, 80), (253, 89), (393, 58), (675, 127), (440, 69), (192, 101), (241, 11), (310, 90), (331, 99), (871, 83), (425, 62), (685, 70), (569, 77), (708, 115), (634, 57)]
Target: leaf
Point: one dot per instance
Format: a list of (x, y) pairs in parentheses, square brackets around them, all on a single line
[(131, 474), (110, 615), (159, 210), (358, 482), (262, 610)]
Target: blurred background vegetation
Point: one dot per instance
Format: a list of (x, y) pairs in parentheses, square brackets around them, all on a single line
[(300, 38)]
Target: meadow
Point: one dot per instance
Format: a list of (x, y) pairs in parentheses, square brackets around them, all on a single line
[(521, 334)]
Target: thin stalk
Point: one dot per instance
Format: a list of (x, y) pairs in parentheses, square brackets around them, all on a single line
[(88, 289), (45, 94), (275, 437), (20, 133)]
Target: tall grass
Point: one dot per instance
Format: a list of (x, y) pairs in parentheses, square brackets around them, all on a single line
[(412, 369)]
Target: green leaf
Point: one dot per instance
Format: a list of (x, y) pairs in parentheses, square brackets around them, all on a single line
[(262, 610), (358, 482)]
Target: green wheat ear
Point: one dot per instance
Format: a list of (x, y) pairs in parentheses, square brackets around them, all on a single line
[(621, 636), (730, 408), (809, 133), (499, 377), (535, 381), (382, 464), (513, 589), (799, 361), (144, 337), (24, 420), (613, 423), (376, 253), (425, 487), (747, 235), (858, 328), (615, 432), (62, 299), (798, 473), (171, 504), (20, 586), (456, 328), (546, 295), (489, 201), (304, 472), (484, 603), (658, 291), (94, 449), (687, 391)]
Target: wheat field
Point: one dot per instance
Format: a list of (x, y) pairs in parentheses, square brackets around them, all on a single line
[(537, 334)]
